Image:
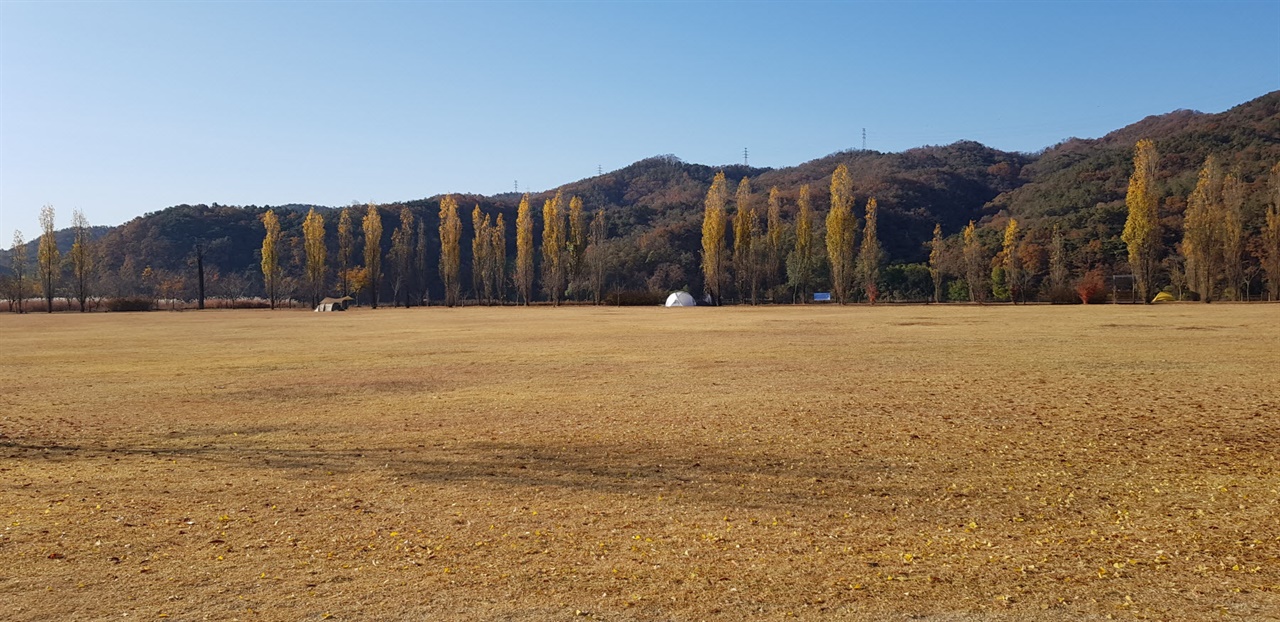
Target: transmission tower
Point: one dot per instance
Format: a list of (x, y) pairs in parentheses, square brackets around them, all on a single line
[(744, 156), (864, 139)]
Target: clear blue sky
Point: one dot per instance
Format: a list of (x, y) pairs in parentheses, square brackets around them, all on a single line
[(120, 108)]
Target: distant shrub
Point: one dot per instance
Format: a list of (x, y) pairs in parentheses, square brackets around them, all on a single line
[(135, 303), (1092, 288), (635, 298), (958, 291), (1063, 296)]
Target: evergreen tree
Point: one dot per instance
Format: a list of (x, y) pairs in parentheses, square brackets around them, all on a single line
[(577, 242)]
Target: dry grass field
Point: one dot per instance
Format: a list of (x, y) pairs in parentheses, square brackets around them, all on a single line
[(928, 463)]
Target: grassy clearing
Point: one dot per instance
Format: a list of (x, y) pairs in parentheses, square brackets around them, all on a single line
[(949, 463)]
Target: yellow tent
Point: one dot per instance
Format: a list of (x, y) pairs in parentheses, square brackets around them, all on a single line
[(1163, 297)]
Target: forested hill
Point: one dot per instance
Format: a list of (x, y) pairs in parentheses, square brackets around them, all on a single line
[(654, 206)]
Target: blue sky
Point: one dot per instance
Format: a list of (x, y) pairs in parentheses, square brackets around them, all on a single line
[(120, 108)]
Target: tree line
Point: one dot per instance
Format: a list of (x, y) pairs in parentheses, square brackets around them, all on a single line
[(774, 247)]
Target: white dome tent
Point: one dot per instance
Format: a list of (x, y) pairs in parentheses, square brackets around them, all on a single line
[(680, 299)]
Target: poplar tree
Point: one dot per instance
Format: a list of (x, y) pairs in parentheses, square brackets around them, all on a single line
[(1202, 230), (1233, 233), (450, 249), (373, 252), (1142, 227), (81, 258), (401, 257), (595, 255), (317, 254), (937, 251), (346, 247), (481, 282), (524, 251), (1270, 254), (48, 257), (18, 259), (577, 241), (713, 230), (842, 229), (744, 229), (271, 257), (498, 256), (1011, 261), (774, 231), (870, 256), (553, 248), (802, 263), (973, 265)]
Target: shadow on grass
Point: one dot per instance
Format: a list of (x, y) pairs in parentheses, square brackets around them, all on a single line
[(756, 480)]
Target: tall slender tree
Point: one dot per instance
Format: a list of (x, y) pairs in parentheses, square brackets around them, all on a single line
[(401, 258), (1011, 260), (553, 248), (744, 233), (479, 254), (937, 252), (450, 249), (271, 272), (775, 232), (346, 248), (1202, 230), (49, 264), (1233, 192), (802, 262), (317, 255), (842, 231), (81, 258), (713, 230), (577, 242), (1142, 226), (595, 255), (18, 261), (524, 251), (974, 261), (1270, 255), (871, 255), (498, 256), (372, 225)]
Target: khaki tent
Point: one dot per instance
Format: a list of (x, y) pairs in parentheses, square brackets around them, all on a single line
[(333, 304)]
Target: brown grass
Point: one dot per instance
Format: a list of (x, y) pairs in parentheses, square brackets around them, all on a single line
[(938, 463)]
